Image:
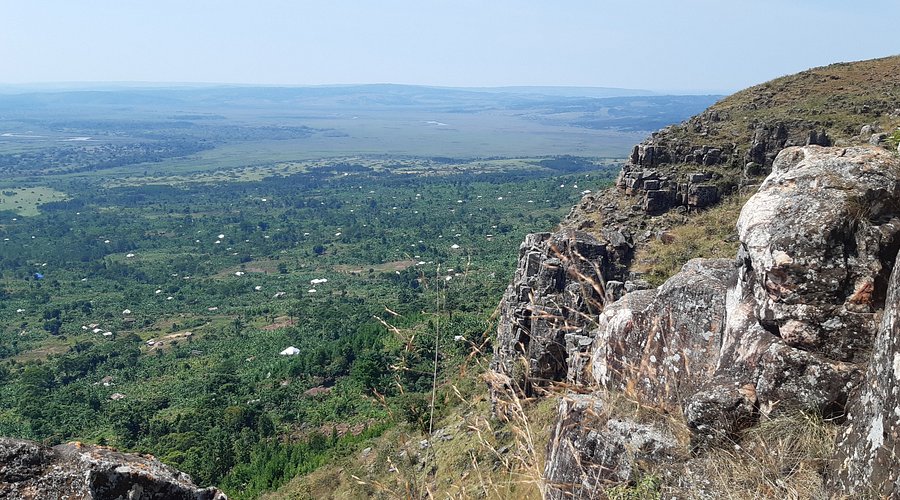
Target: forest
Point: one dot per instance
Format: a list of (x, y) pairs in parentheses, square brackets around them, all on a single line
[(154, 318), (250, 282)]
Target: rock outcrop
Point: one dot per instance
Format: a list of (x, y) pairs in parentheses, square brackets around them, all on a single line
[(589, 448), (671, 169), (659, 345), (868, 449), (813, 272), (77, 471), (735, 141), (787, 326), (558, 289)]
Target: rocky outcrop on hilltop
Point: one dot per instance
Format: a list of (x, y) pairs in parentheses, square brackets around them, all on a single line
[(788, 326), (812, 274), (31, 471), (660, 345), (559, 286), (733, 144)]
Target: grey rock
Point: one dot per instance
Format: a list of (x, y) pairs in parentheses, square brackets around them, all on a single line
[(697, 178), (614, 291), (879, 138), (558, 288), (812, 273), (656, 202), (702, 195), (813, 239), (31, 471), (588, 448), (661, 344), (753, 169), (866, 462)]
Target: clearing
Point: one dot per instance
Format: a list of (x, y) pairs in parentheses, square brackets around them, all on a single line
[(25, 201)]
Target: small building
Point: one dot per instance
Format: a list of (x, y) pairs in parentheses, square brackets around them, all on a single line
[(290, 351)]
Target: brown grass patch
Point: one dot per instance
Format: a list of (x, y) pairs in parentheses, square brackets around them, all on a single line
[(709, 234), (397, 265), (280, 322)]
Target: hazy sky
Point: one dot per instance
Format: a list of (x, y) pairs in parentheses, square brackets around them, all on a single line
[(700, 45)]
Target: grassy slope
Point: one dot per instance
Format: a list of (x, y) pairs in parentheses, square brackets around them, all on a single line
[(709, 234), (839, 99), (470, 455)]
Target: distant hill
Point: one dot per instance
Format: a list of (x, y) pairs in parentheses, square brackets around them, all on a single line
[(567, 91)]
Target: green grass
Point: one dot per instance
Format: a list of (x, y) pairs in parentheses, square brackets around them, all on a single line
[(708, 234), (27, 201)]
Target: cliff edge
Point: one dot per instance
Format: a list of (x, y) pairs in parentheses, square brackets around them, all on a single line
[(795, 332)]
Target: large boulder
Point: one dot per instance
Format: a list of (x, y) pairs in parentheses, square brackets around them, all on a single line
[(816, 238), (867, 450), (590, 447), (660, 345), (818, 241), (31, 471)]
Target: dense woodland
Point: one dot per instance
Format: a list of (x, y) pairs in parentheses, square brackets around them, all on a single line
[(151, 318)]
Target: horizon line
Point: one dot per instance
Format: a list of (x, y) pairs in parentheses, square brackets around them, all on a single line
[(87, 84)]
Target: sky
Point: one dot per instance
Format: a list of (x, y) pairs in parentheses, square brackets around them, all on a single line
[(668, 46)]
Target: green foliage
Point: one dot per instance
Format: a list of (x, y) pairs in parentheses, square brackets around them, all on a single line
[(893, 140), (413, 407), (192, 372)]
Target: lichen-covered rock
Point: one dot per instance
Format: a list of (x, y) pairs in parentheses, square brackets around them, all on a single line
[(817, 241), (816, 237), (660, 345), (589, 448), (867, 461), (77, 471), (558, 290)]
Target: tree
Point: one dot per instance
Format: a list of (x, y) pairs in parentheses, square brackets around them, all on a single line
[(367, 370), (37, 379)]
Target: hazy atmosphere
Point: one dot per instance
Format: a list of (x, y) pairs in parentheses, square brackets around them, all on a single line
[(691, 46), (435, 249)]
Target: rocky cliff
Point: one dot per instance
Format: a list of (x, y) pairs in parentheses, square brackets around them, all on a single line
[(799, 322), (75, 471), (694, 164)]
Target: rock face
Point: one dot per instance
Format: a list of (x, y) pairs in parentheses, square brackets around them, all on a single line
[(31, 471), (867, 450), (558, 289), (816, 238), (660, 192), (670, 169), (813, 272), (787, 326), (659, 345), (589, 448)]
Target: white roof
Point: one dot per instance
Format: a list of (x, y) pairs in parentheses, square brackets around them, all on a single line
[(290, 351)]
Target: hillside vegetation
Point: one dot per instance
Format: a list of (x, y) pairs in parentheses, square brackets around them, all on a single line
[(733, 143)]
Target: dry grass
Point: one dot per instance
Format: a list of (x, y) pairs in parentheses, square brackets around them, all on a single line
[(709, 234), (838, 98), (781, 458), (470, 455)]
